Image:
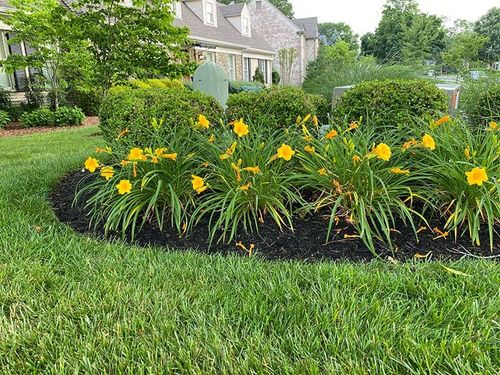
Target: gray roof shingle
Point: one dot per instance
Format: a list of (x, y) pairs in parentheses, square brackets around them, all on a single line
[(225, 32), (310, 26)]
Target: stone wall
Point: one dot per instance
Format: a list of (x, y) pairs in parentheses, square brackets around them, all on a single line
[(280, 33)]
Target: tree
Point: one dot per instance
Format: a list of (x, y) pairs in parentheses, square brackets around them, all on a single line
[(463, 51), (368, 44), (424, 39), (45, 27), (287, 58), (258, 76), (334, 32), (283, 5), (489, 26), (138, 41)]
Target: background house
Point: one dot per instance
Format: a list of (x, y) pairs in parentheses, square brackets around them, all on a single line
[(224, 34), (283, 33)]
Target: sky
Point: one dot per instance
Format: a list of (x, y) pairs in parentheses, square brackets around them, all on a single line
[(363, 15)]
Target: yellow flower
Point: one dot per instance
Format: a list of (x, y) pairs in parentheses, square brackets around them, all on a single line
[(352, 126), (246, 187), (172, 156), (154, 159), (383, 152), (240, 128), (107, 172), (211, 139), (356, 159), (299, 120), (203, 123), (229, 152), (136, 154), (400, 171), (428, 142), (107, 150), (322, 172), (467, 153), (441, 121), (253, 170), (315, 120), (91, 164), (309, 149), (332, 134), (493, 125), (160, 151), (306, 118), (237, 169), (285, 152), (123, 133), (124, 163), (124, 187), (476, 176), (412, 142), (198, 184)]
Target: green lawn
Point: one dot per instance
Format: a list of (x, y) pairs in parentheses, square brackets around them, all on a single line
[(72, 304)]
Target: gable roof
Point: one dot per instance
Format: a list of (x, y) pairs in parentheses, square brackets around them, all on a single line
[(232, 9), (309, 25), (224, 33)]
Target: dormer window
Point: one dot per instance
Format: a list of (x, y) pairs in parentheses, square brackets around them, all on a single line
[(245, 30), (210, 13)]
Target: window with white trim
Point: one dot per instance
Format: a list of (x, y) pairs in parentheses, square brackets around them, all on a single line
[(231, 65), (245, 28), (6, 79), (247, 74), (210, 13)]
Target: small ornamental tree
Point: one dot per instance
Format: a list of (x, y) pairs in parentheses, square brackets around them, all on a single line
[(138, 41), (258, 76)]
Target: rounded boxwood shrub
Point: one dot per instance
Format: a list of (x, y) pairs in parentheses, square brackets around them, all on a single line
[(278, 106), (392, 103), (40, 117), (4, 119), (480, 100), (69, 116), (134, 109)]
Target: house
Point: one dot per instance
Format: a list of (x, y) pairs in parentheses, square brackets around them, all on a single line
[(225, 34), (295, 42)]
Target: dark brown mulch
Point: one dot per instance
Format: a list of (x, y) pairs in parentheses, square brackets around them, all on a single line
[(307, 243), (15, 128)]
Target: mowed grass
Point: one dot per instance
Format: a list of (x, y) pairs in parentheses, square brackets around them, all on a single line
[(73, 304)]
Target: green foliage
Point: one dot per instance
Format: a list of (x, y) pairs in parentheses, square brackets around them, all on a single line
[(487, 26), (236, 87), (321, 79), (480, 100), (276, 78), (462, 52), (4, 119), (258, 76), (278, 106), (156, 83), (5, 101), (133, 109), (339, 31), (68, 116), (405, 35), (141, 42), (391, 104), (39, 117)]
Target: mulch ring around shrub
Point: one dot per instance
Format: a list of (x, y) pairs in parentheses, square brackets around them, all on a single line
[(16, 129), (306, 243)]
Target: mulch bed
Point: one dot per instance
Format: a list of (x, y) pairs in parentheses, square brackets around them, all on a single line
[(16, 129), (307, 243)]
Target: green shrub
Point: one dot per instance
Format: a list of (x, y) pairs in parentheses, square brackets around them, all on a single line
[(5, 101), (135, 109), (4, 119), (40, 117), (69, 116), (391, 104), (480, 100), (278, 106), (87, 99), (236, 87), (276, 77), (158, 83)]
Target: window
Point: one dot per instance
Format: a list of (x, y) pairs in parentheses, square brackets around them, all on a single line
[(209, 56), (231, 64), (258, 4), (246, 26), (263, 67), (247, 72), (6, 81), (210, 13)]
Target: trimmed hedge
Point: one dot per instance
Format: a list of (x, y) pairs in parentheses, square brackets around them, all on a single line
[(278, 106), (480, 100), (68, 116), (235, 87), (391, 103), (134, 109), (45, 117)]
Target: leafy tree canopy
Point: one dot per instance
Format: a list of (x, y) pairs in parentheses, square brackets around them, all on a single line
[(489, 26), (340, 31)]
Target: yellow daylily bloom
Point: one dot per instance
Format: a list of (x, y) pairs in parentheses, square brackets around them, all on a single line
[(322, 172), (407, 145), (428, 142), (160, 151), (240, 128), (91, 164), (229, 152), (309, 149), (203, 123), (107, 173), (331, 134), (382, 151), (136, 154), (285, 152), (211, 139), (356, 159), (441, 121), (246, 187), (172, 156), (315, 120), (198, 184), (476, 176), (124, 187), (400, 171), (493, 126), (253, 170), (352, 126), (123, 133)]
